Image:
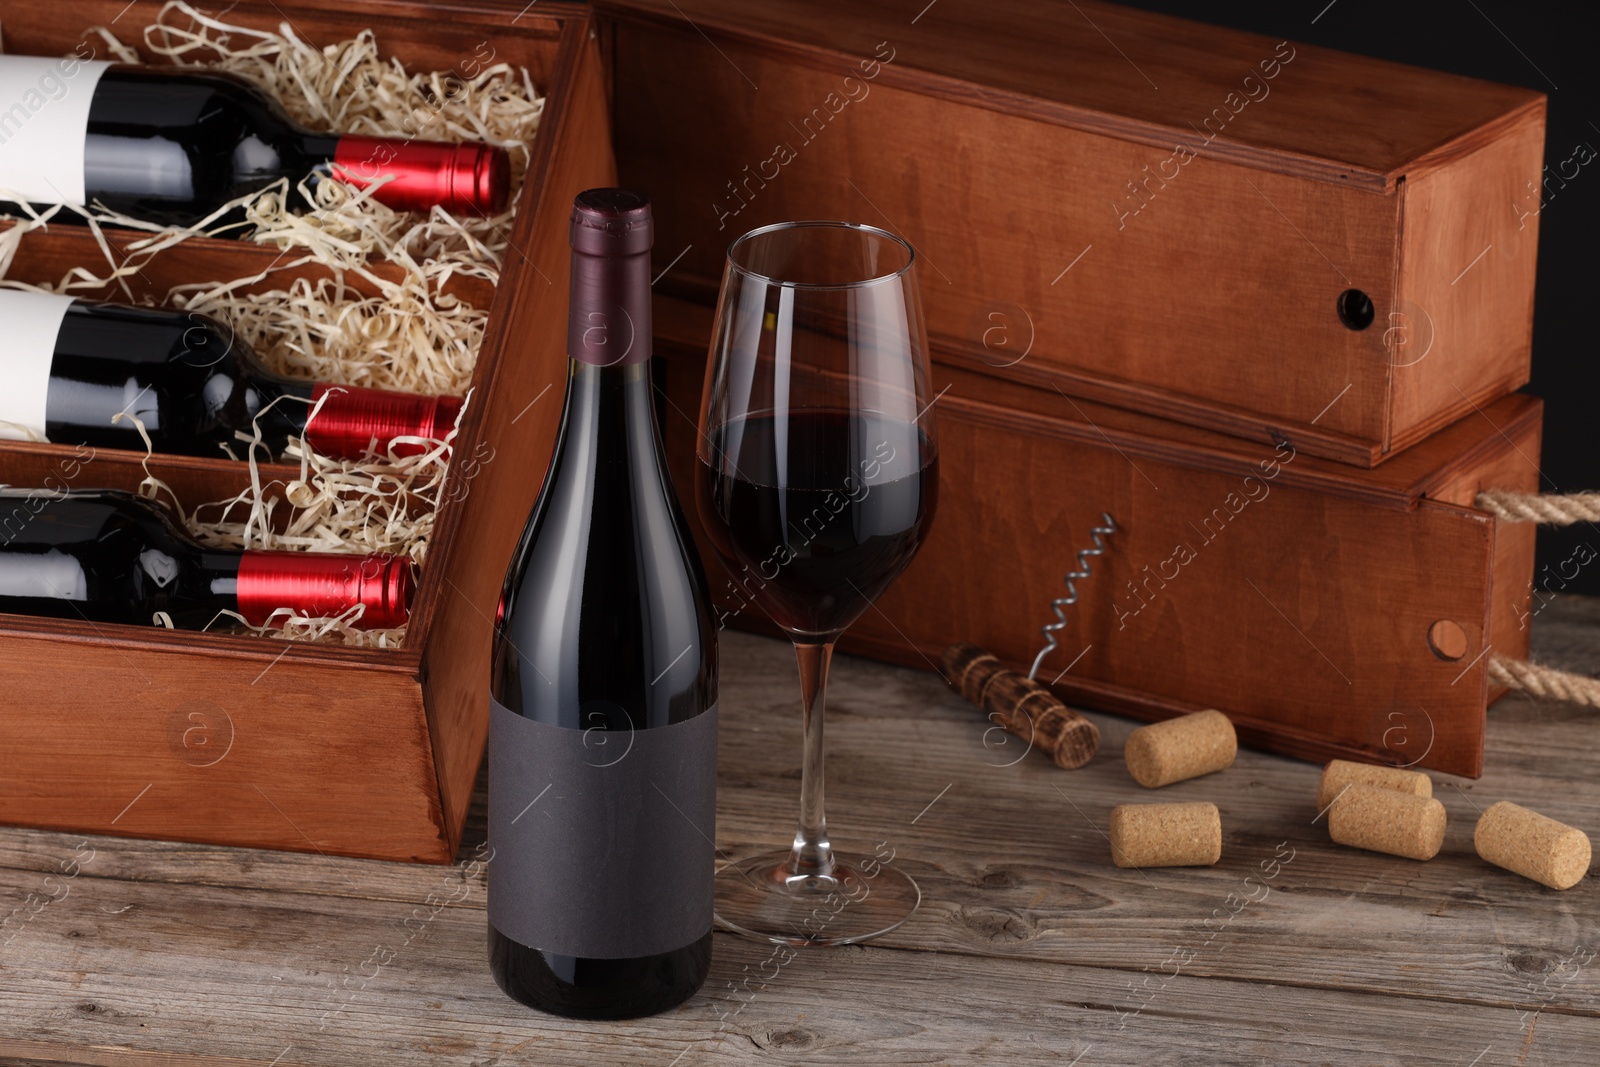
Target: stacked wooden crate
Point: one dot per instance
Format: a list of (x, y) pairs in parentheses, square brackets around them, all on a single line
[(1264, 303)]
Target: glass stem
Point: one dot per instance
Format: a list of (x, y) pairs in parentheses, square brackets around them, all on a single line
[(812, 855)]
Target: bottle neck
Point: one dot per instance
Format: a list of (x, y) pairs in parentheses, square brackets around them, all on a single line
[(277, 404), (316, 585), (350, 421), (353, 420), (609, 427), (307, 153), (609, 319), (611, 411), (610, 417), (469, 180), (464, 179)]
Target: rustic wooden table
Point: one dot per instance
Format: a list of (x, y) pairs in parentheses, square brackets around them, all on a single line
[(1029, 947)]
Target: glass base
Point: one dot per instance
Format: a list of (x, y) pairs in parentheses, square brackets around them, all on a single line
[(761, 898)]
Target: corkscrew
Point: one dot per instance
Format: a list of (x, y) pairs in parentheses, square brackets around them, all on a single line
[(1072, 578), (1019, 705)]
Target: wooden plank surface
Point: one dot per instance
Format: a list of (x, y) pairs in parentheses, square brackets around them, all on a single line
[(1030, 947)]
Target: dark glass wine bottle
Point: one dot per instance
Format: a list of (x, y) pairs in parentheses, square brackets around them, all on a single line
[(602, 741), (172, 146), (103, 555), (72, 368)]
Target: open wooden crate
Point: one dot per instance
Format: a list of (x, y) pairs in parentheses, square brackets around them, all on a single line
[(240, 740)]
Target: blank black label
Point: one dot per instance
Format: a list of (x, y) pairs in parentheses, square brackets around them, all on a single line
[(602, 841)]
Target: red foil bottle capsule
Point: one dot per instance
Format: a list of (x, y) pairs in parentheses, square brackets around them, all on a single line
[(465, 179), (322, 585), (356, 420)]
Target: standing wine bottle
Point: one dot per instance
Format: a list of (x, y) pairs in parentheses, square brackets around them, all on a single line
[(172, 146), (107, 556), (69, 368), (603, 691)]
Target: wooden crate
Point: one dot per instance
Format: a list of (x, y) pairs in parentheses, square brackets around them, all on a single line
[(1307, 606), (239, 740), (1180, 251)]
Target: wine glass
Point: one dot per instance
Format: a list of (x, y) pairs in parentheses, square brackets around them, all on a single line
[(817, 480)]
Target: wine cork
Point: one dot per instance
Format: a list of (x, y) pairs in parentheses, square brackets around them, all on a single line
[(1021, 706), (1387, 820), (1165, 835), (1532, 845), (1185, 747), (1340, 773)]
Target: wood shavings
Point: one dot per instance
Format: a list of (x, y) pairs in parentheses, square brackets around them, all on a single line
[(409, 338)]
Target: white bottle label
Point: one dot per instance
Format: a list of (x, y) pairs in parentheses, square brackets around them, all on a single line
[(29, 325), (53, 575), (44, 121)]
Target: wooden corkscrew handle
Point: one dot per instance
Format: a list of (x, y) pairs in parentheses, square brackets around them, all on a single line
[(1020, 705)]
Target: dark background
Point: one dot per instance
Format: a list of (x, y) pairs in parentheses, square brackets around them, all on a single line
[(1545, 46)]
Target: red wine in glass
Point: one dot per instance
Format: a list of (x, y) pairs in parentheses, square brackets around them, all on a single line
[(847, 527)]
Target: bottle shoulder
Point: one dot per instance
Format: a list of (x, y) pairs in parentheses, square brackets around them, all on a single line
[(158, 96), (111, 520), (176, 146), (606, 600)]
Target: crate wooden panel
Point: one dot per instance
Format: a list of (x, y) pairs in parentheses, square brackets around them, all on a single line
[(1003, 139), (357, 752), (1304, 612)]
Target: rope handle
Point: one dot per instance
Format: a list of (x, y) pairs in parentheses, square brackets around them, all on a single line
[(1548, 509), (1556, 509), (1541, 681)]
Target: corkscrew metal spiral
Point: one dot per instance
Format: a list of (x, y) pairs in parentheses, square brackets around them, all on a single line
[(1072, 578)]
